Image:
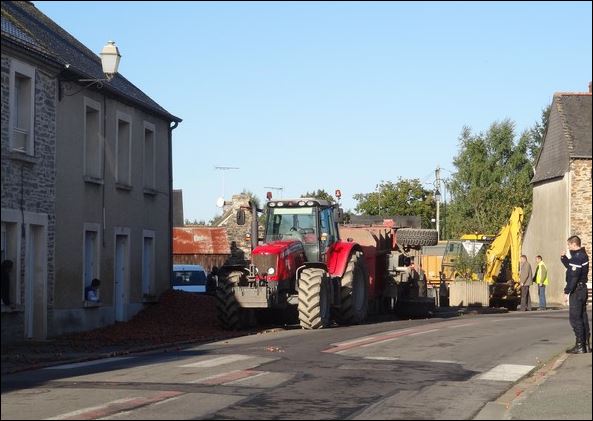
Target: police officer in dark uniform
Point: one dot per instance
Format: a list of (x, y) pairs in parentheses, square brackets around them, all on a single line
[(577, 270)]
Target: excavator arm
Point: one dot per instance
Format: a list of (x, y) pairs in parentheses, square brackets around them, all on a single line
[(509, 238)]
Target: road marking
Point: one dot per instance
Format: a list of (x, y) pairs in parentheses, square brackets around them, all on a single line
[(227, 359), (341, 347), (228, 377), (382, 358), (506, 372), (238, 382), (86, 364), (115, 407), (445, 362), (462, 325), (423, 332)]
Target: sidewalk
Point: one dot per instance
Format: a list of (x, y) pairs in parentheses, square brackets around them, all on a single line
[(561, 390), (179, 319)]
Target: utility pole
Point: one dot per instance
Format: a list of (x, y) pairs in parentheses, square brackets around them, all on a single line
[(224, 170), (437, 196), (280, 189)]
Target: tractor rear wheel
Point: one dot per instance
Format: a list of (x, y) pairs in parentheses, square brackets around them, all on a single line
[(314, 299), (354, 291), (229, 310)]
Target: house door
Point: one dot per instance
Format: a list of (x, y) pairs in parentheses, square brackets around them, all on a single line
[(121, 276), (36, 283)]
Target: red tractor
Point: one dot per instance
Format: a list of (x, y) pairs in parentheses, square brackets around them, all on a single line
[(303, 262)]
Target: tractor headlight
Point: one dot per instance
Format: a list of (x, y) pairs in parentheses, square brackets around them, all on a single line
[(271, 271)]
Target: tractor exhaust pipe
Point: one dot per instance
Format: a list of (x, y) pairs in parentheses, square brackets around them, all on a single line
[(254, 225)]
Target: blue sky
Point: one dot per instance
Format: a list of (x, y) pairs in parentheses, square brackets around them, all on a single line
[(329, 94)]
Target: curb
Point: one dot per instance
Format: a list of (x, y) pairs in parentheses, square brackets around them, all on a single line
[(500, 408)]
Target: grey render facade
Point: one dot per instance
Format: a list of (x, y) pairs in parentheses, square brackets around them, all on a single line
[(86, 191), (562, 188)]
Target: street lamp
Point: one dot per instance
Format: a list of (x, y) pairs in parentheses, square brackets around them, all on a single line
[(437, 198), (110, 57)]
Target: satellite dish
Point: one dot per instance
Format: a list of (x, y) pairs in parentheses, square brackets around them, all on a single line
[(220, 202)]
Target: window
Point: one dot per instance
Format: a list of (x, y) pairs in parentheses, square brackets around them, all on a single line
[(91, 249), (93, 141), (149, 156), (10, 250), (148, 287), (22, 115), (123, 150)]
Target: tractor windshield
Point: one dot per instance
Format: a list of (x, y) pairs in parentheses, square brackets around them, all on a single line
[(292, 224)]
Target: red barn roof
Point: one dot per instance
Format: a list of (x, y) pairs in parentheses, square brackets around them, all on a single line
[(200, 240)]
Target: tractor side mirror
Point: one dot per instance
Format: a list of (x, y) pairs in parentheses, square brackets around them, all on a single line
[(240, 217), (339, 215)]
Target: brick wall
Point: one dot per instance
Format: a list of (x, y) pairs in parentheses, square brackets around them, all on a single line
[(580, 218)]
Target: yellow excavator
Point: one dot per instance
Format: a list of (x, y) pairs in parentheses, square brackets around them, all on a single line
[(508, 239), (501, 254)]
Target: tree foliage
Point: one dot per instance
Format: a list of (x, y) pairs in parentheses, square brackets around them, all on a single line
[(493, 175), (321, 195), (404, 197)]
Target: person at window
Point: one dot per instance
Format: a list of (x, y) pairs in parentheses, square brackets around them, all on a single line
[(5, 287), (91, 292)]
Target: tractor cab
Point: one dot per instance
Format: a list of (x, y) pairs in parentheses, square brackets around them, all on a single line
[(312, 222)]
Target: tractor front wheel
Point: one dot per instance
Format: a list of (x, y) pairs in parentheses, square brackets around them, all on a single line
[(314, 299), (226, 304)]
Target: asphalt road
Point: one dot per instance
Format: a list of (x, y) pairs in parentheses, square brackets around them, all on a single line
[(414, 369)]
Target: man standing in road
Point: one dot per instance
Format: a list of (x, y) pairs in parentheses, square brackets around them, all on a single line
[(576, 261), (541, 279), (525, 280)]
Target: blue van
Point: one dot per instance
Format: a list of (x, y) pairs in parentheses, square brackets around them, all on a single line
[(189, 278)]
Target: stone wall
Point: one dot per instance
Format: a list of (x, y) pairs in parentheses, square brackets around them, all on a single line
[(237, 234), (580, 197), (28, 182)]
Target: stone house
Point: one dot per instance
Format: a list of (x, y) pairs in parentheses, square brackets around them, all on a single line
[(86, 183), (561, 188)]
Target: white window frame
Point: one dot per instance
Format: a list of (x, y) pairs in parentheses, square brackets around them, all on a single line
[(121, 116), (13, 216), (90, 103), (149, 288), (91, 227), (150, 127), (27, 71)]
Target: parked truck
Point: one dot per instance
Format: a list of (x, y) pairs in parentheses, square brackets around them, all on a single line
[(325, 269)]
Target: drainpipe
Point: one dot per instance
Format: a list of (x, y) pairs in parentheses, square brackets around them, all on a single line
[(170, 146)]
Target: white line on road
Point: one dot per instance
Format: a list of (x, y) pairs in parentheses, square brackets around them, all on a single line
[(423, 332), (74, 414), (506, 372), (228, 359), (87, 363), (382, 358), (445, 362)]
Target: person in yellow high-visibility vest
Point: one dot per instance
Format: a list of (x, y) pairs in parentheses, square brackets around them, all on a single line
[(542, 280)]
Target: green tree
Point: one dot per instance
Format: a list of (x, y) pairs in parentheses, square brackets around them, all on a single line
[(537, 133), (404, 197), (321, 195), (493, 176)]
